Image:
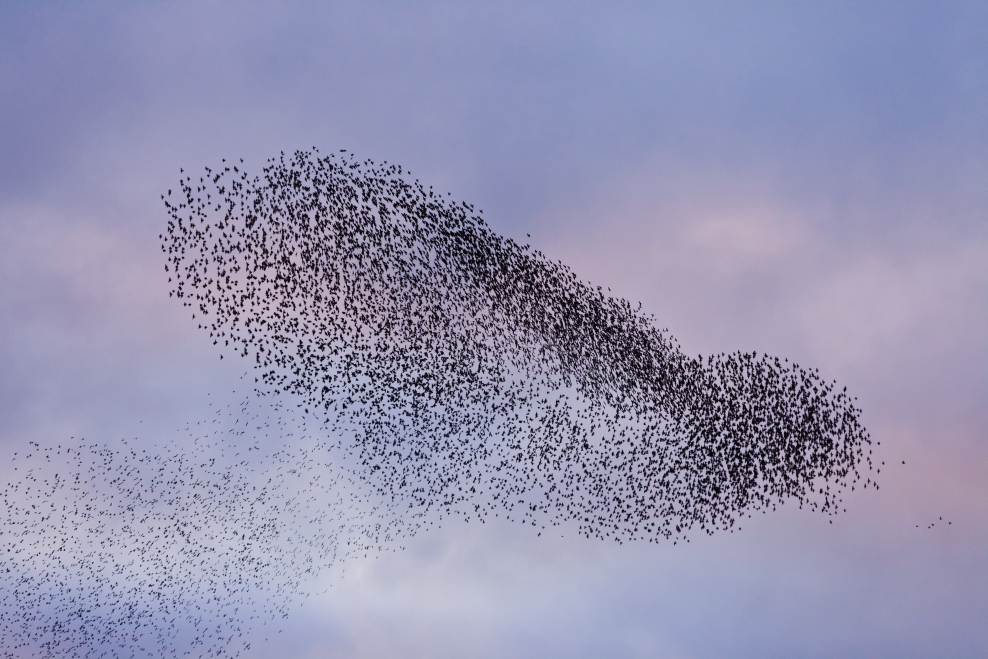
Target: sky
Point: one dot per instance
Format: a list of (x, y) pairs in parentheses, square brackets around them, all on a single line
[(804, 179)]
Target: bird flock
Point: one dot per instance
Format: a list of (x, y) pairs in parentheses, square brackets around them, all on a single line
[(194, 547), (419, 364)]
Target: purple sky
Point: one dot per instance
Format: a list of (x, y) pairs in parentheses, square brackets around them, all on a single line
[(807, 180)]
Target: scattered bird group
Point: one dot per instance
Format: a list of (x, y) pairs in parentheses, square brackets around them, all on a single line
[(187, 548), (449, 370)]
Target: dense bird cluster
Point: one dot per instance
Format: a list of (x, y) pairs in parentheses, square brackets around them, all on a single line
[(465, 372), (448, 371)]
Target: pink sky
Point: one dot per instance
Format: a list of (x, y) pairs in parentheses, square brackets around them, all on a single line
[(803, 180)]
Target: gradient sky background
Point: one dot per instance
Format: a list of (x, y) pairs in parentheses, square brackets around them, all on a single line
[(804, 179)]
